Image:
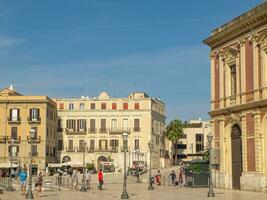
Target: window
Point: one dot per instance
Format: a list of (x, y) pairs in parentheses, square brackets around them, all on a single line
[(233, 79), (13, 150), (34, 114), (114, 106), (70, 124), (103, 144), (81, 125), (61, 106), (136, 106), (136, 144), (71, 106), (14, 133), (103, 106), (81, 106), (114, 144), (60, 145), (103, 126), (125, 124), (199, 147), (136, 124), (113, 124), (34, 150), (59, 125), (199, 137), (82, 145), (157, 139), (125, 106), (92, 125), (14, 115), (35, 132), (181, 146), (70, 146), (92, 106), (92, 144)]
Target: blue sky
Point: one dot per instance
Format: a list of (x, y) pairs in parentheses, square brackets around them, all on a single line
[(64, 48)]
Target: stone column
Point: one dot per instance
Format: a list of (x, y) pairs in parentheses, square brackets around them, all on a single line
[(258, 142), (243, 72), (256, 68), (212, 82)]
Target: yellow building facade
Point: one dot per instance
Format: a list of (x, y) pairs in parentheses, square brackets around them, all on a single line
[(18, 115), (100, 122), (238, 67)]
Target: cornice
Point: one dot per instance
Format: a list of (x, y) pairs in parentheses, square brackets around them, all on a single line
[(239, 26)]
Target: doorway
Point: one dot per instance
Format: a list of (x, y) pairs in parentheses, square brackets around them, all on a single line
[(236, 144)]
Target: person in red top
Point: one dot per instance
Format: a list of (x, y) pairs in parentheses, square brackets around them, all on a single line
[(100, 179)]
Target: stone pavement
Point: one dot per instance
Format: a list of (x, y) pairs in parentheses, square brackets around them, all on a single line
[(138, 191)]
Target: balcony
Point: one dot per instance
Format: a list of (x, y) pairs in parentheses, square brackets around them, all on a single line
[(110, 149), (3, 139), (103, 130), (14, 120), (34, 154), (35, 140), (119, 130), (91, 130), (13, 154), (68, 149), (75, 132), (137, 129), (34, 120), (16, 140)]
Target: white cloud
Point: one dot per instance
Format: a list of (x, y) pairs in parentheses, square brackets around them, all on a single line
[(6, 42)]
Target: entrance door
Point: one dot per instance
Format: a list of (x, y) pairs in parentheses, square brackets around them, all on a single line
[(236, 156)]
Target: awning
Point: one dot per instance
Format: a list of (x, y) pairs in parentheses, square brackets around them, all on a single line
[(73, 164), (8, 165)]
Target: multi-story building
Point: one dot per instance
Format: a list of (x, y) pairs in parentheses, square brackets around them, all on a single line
[(99, 123), (238, 63), (193, 142), (18, 115)]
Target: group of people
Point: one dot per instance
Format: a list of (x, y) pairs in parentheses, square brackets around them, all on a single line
[(75, 179), (23, 182), (179, 178)]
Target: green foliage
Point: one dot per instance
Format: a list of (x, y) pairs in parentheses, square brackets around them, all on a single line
[(199, 168), (206, 154), (110, 159), (90, 166), (174, 130)]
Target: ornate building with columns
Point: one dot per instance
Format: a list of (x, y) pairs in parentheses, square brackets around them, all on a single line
[(238, 67)]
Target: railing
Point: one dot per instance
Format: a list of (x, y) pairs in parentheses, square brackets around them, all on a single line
[(119, 130), (16, 140), (110, 149), (103, 130), (34, 120), (3, 139), (34, 154), (91, 130), (14, 120), (137, 129), (74, 131), (35, 140)]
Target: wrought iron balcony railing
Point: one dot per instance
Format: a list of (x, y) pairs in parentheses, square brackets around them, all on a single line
[(34, 120), (14, 120)]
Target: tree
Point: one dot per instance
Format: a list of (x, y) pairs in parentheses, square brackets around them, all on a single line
[(174, 131)]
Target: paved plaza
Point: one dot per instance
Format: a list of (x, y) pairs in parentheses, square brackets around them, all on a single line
[(138, 191)]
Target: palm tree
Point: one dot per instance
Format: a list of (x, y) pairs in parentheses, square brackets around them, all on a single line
[(174, 131)]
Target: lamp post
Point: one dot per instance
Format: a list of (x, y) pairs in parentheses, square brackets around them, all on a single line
[(83, 189), (124, 194), (210, 193), (9, 186), (150, 146), (29, 194), (138, 167)]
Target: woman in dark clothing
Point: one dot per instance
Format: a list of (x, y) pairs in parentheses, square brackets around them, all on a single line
[(39, 184)]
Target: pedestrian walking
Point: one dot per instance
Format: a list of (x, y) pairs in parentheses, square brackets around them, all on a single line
[(100, 179), (88, 179), (23, 180), (39, 184), (172, 177), (181, 174), (158, 178), (75, 179)]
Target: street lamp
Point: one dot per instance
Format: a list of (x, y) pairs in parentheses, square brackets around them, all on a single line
[(29, 194), (138, 167), (9, 187), (124, 194), (150, 146), (210, 193), (83, 189)]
